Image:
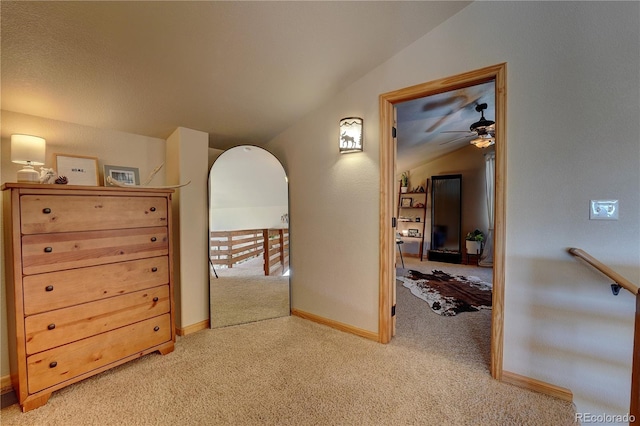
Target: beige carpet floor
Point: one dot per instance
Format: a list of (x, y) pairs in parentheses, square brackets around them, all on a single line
[(289, 371)]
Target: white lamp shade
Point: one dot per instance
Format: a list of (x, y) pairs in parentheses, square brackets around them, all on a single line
[(26, 149)]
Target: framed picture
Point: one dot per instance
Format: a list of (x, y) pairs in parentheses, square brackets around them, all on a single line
[(406, 202), (125, 175), (413, 233), (78, 169)]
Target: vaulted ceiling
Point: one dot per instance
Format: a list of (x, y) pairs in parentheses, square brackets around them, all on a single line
[(241, 71), (435, 125)]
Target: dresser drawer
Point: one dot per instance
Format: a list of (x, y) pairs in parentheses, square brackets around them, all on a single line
[(55, 290), (54, 252), (54, 213), (54, 366), (62, 326)]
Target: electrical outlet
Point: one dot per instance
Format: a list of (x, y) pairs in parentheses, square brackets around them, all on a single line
[(603, 210)]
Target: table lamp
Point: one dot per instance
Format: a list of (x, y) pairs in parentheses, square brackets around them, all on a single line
[(28, 151)]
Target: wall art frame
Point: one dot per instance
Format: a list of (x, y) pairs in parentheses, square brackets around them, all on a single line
[(122, 174), (78, 169)]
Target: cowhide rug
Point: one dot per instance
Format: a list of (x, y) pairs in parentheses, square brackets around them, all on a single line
[(446, 294)]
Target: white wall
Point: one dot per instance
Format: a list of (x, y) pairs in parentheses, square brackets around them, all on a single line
[(572, 134), (111, 147), (187, 161)]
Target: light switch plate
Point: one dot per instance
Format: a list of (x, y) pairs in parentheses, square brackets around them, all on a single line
[(603, 210)]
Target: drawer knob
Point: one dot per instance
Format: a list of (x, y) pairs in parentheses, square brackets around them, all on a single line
[(153, 209), (156, 328), (53, 364), (49, 288), (51, 326), (46, 210), (154, 269), (155, 299), (48, 249), (153, 239)]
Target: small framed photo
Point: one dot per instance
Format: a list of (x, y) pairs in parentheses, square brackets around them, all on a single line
[(406, 202), (78, 169), (414, 233), (124, 175)]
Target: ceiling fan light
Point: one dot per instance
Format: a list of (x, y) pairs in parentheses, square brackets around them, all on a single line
[(483, 142)]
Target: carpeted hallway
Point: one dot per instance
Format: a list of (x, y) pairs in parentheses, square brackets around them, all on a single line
[(289, 371)]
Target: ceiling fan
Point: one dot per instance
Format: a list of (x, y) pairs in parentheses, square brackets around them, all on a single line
[(482, 130)]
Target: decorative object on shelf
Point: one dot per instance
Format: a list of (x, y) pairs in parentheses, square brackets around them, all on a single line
[(28, 151), (473, 241), (406, 202), (47, 176), (351, 139), (152, 174), (125, 175), (404, 182), (78, 169), (112, 182), (414, 233), (62, 180)]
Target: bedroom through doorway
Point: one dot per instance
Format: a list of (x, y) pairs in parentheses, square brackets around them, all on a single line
[(452, 106), (446, 200)]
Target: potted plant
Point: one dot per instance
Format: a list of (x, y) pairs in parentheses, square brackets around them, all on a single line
[(474, 241), (404, 182)]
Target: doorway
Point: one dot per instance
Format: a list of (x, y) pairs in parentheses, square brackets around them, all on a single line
[(496, 73)]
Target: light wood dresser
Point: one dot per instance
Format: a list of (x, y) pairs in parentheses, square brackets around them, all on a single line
[(88, 280)]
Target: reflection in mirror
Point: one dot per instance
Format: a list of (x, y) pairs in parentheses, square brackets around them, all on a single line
[(249, 237), (446, 214)]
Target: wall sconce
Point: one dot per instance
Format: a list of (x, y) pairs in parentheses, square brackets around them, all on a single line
[(351, 135), (28, 151)]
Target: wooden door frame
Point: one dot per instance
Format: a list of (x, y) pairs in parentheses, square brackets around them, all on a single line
[(496, 73)]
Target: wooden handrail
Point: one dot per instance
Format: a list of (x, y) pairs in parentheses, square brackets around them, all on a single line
[(616, 277), (634, 406)]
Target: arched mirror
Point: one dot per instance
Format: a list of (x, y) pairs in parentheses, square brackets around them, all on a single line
[(249, 237)]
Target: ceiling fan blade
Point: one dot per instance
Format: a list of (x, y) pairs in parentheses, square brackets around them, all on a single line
[(457, 139), (439, 122), (458, 131)]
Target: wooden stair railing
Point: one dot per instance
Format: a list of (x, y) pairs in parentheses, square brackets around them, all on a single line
[(622, 282), (229, 248)]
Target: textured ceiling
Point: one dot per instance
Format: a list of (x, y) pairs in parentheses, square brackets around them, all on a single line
[(240, 71)]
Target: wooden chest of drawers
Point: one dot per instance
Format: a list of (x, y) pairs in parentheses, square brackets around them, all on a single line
[(89, 282)]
